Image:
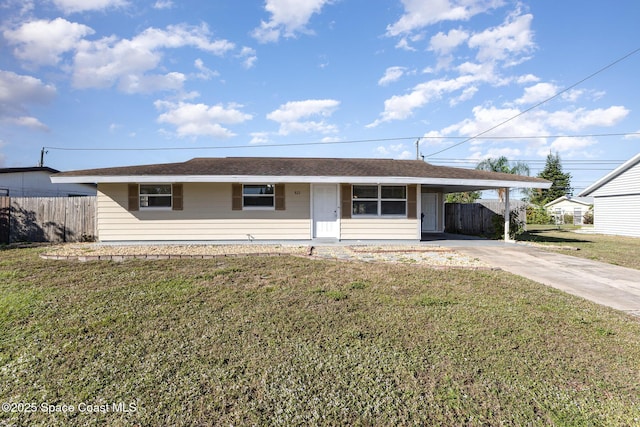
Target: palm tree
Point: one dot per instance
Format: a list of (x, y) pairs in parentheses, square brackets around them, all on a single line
[(502, 164)]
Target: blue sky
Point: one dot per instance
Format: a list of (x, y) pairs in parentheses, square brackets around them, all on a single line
[(256, 76)]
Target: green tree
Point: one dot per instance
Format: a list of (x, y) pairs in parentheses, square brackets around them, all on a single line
[(502, 164), (464, 197), (560, 182)]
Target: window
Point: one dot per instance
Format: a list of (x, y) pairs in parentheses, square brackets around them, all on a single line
[(379, 200), (155, 196), (258, 196)]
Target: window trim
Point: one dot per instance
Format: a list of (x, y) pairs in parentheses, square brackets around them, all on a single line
[(155, 208), (379, 201), (259, 208)]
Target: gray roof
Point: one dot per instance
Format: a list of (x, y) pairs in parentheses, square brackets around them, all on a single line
[(296, 169), (29, 169)]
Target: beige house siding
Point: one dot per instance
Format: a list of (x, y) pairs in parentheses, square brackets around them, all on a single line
[(568, 207), (206, 215), (379, 228)]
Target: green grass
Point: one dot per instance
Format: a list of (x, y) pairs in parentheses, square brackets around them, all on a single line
[(292, 341), (616, 250)]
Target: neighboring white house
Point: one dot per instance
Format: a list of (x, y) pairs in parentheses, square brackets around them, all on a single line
[(239, 198), (616, 200), (36, 182), (565, 205)]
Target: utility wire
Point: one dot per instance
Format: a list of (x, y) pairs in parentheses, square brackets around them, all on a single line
[(541, 102), (466, 139)]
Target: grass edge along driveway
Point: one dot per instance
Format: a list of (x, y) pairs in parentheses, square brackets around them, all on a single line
[(616, 250)]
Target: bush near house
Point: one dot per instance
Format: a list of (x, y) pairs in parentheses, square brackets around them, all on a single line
[(587, 218), (538, 215)]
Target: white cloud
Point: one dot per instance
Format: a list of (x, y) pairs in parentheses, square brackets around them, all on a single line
[(287, 18), (249, 57), (505, 42), (17, 92), (421, 13), (527, 78), (291, 116), (502, 45), (528, 131), (71, 6), (568, 146), (28, 122), (397, 151), (391, 75), (205, 73), (403, 44), (163, 4), (193, 120), (576, 120), (400, 107), (42, 42), (443, 44), (636, 135), (133, 83), (108, 61), (537, 93), (259, 138)]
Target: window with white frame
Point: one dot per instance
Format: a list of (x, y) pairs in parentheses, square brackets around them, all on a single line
[(379, 200), (258, 196), (155, 196)]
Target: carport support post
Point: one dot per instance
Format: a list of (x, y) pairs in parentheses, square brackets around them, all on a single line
[(506, 215)]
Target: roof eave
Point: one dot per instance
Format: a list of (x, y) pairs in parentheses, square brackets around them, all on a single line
[(471, 183), (611, 175)]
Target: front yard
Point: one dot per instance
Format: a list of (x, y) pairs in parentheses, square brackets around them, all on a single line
[(616, 250), (295, 341)]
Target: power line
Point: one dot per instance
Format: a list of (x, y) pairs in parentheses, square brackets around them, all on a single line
[(357, 141), (541, 102)]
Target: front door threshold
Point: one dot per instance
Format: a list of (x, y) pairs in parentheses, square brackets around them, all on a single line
[(324, 240)]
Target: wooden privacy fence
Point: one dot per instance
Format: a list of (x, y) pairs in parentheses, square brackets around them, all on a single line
[(477, 219), (47, 219)]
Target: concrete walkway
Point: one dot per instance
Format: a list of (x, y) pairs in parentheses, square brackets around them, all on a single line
[(606, 284)]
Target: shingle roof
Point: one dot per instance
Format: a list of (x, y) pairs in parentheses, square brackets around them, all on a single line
[(308, 167), (29, 169)]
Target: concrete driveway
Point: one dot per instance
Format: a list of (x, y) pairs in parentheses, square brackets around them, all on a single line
[(606, 284)]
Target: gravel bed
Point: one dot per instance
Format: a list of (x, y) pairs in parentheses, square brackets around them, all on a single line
[(432, 256)]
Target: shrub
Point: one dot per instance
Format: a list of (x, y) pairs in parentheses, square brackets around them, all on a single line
[(587, 218), (516, 225), (538, 215)]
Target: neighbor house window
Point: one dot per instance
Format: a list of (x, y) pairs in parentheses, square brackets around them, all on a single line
[(258, 196), (155, 195), (379, 200)]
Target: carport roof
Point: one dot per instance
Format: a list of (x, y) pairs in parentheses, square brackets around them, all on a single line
[(305, 170)]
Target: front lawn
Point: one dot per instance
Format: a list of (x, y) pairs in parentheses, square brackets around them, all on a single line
[(616, 250), (294, 341)]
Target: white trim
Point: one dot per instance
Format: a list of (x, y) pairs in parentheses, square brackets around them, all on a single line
[(611, 175), (312, 230), (568, 199), (155, 208), (271, 179), (418, 212)]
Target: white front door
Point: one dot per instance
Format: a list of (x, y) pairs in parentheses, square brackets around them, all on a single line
[(429, 212), (325, 210)]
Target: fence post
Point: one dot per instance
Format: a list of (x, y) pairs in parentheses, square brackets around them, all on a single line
[(5, 218)]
